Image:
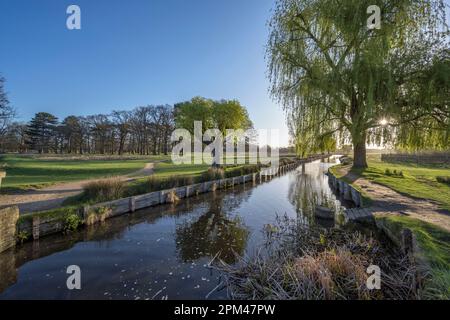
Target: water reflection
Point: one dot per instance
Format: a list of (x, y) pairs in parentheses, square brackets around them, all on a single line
[(213, 232), (309, 189), (163, 251)]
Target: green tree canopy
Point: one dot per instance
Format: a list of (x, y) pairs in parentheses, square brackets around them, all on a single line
[(335, 76), (197, 109), (41, 131), (222, 114)]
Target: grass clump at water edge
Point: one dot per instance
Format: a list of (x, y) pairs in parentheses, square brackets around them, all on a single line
[(104, 190), (304, 262)]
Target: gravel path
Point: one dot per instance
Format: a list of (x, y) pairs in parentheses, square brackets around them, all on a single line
[(388, 201), (52, 197)]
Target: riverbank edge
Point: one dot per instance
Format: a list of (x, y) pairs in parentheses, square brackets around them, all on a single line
[(37, 225), (401, 236)]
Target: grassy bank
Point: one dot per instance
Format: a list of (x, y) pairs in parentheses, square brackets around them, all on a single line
[(434, 244), (35, 172), (429, 182), (423, 182), (166, 176)]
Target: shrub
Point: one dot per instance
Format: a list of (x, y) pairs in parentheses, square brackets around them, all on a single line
[(243, 170), (72, 222), (157, 183), (104, 190), (22, 236), (394, 173), (345, 160), (213, 174), (443, 179)]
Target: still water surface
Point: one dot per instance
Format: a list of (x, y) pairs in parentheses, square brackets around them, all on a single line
[(163, 252)]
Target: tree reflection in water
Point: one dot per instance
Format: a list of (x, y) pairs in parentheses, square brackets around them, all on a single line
[(308, 189), (215, 231)]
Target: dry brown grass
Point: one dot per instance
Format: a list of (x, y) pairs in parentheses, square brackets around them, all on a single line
[(105, 189), (301, 262)]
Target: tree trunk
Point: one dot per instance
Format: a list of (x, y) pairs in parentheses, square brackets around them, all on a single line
[(359, 154)]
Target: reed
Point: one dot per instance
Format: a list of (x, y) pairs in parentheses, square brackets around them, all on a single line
[(104, 190), (304, 262)]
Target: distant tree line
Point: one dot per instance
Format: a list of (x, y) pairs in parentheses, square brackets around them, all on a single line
[(144, 130)]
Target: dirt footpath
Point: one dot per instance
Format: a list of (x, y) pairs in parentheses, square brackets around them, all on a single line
[(52, 197), (388, 201)]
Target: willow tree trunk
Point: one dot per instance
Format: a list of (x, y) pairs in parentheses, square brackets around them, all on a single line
[(359, 135), (359, 154)]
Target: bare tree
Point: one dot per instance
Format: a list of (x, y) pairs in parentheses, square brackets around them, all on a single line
[(7, 112), (122, 123)]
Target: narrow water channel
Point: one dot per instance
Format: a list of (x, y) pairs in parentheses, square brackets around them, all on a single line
[(163, 252)]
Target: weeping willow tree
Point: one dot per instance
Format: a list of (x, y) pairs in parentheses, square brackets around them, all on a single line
[(339, 80)]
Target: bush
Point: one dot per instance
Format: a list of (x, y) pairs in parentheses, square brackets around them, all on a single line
[(72, 222), (104, 190), (443, 179), (213, 174), (345, 160), (157, 183), (394, 173), (22, 236), (243, 170)]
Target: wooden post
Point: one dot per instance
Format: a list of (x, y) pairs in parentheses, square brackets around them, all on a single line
[(36, 224), (162, 198), (85, 212), (132, 204)]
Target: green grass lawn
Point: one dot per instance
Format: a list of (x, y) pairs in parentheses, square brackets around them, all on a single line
[(31, 172), (417, 181)]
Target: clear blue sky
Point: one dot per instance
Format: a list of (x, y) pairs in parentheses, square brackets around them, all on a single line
[(136, 52)]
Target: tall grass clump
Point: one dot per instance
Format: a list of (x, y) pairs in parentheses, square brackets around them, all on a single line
[(104, 190), (213, 173), (155, 183), (242, 170), (310, 263)]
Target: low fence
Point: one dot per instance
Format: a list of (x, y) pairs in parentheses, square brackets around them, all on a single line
[(36, 226), (419, 158)]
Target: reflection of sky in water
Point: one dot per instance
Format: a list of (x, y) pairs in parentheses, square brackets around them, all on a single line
[(163, 251)]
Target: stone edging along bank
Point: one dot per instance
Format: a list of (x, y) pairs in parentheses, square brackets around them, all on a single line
[(35, 226), (347, 191)]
